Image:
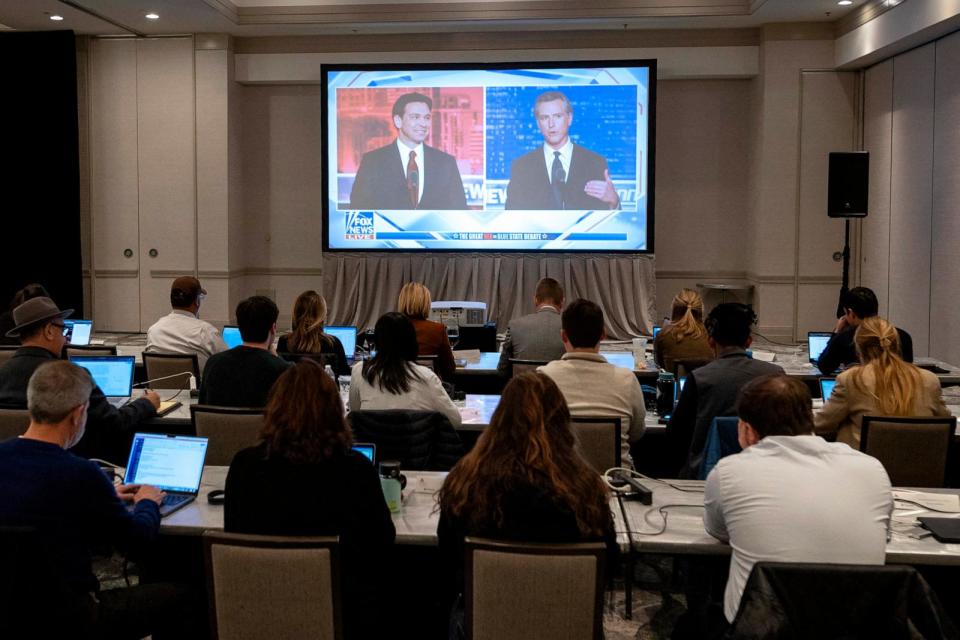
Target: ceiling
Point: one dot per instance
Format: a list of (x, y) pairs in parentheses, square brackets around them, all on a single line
[(253, 18)]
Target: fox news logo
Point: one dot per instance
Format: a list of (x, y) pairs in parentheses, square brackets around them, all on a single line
[(359, 226)]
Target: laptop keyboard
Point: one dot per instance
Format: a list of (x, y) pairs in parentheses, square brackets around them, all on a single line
[(173, 499)]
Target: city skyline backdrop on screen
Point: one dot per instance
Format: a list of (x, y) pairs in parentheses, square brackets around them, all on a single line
[(482, 127)]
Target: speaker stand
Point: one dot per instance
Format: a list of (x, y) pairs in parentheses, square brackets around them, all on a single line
[(845, 280)]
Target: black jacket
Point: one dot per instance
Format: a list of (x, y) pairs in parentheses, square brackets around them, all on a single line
[(381, 181), (530, 188), (109, 430), (420, 440)]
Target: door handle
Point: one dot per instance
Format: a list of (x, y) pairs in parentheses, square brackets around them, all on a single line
[(153, 253)]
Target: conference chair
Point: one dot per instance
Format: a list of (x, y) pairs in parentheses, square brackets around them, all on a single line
[(7, 351), (98, 350), (524, 366), (518, 591), (161, 365), (273, 587), (797, 600), (227, 429), (13, 422), (915, 451), (420, 440), (723, 439), (598, 440), (323, 359), (430, 362)]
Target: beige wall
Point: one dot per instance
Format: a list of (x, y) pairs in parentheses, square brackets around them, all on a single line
[(911, 125)]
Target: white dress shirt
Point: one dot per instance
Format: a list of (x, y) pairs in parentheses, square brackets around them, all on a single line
[(566, 155), (797, 499), (418, 160), (182, 332), (594, 387), (426, 394)]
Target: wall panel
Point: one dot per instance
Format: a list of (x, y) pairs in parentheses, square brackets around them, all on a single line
[(875, 229)]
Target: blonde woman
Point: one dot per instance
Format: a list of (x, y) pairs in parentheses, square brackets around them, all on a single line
[(882, 384), (308, 336), (414, 302), (686, 337)]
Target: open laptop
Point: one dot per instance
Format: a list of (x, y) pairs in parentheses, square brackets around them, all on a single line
[(113, 374), (231, 335), (816, 343), (347, 337), (77, 332), (656, 330), (826, 387), (368, 449), (173, 464)]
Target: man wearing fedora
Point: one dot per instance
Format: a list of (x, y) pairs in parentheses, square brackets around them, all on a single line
[(182, 330), (39, 325)]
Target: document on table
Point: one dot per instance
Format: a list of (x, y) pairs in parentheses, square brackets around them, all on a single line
[(947, 502)]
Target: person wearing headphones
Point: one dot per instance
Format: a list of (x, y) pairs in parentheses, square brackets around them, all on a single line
[(711, 390)]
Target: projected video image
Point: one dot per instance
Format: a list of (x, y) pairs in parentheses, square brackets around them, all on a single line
[(537, 158)]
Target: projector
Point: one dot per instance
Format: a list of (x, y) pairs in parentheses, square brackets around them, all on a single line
[(454, 313)]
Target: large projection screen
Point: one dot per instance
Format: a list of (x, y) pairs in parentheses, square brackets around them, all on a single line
[(522, 157)]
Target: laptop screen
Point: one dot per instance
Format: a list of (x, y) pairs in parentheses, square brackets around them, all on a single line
[(826, 387), (656, 330), (170, 463), (113, 374), (231, 335), (347, 337), (677, 389), (78, 332), (816, 343), (368, 450)]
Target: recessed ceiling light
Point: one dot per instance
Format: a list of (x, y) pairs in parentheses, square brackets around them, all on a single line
[(844, 3), (56, 18), (152, 16)]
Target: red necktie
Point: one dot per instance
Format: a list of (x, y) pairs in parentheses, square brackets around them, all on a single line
[(413, 179)]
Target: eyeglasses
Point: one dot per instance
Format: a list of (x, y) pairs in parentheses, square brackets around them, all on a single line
[(62, 327)]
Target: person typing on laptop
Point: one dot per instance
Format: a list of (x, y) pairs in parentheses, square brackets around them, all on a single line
[(73, 507), (39, 325)]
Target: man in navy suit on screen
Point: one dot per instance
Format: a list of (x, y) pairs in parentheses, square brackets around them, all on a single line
[(560, 174), (408, 174)]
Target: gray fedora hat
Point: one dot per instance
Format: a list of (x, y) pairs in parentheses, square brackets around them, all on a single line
[(34, 311)]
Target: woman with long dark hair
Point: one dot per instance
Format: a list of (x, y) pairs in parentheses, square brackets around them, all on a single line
[(392, 379), (303, 479), (524, 480)]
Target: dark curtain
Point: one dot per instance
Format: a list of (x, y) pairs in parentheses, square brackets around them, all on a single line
[(40, 167)]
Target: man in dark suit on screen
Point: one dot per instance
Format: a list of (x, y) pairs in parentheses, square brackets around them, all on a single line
[(561, 174), (408, 174)]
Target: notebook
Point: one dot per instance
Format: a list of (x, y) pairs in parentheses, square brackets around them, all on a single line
[(231, 335), (113, 374), (816, 343), (77, 332), (347, 337), (173, 464), (369, 450), (826, 387)]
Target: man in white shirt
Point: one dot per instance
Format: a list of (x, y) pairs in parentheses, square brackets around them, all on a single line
[(591, 385), (182, 331), (791, 496), (535, 336)]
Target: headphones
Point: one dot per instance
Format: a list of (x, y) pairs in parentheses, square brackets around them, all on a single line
[(217, 496)]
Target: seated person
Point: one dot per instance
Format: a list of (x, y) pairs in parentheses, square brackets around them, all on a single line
[(303, 479), (590, 385), (712, 389), (790, 496), (6, 318), (242, 376), (432, 339), (393, 380), (76, 509), (535, 336), (882, 385), (685, 338), (859, 304), (39, 325), (309, 314), (182, 330), (523, 481)]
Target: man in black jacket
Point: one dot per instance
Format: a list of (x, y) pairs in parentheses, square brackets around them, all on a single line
[(39, 324), (859, 304), (711, 390)]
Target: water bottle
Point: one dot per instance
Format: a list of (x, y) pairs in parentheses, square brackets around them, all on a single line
[(665, 392), (329, 371)]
